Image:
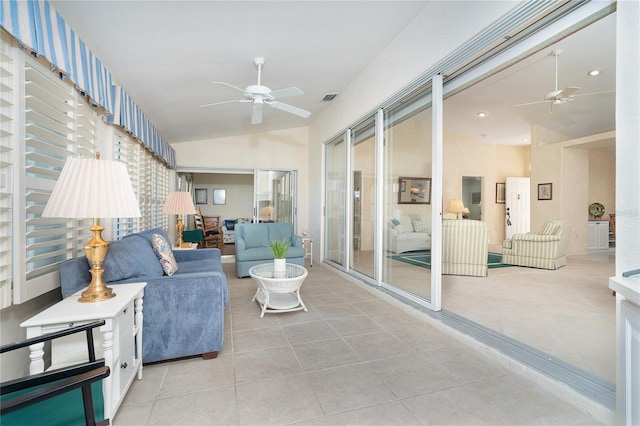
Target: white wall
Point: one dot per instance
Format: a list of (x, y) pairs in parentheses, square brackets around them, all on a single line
[(426, 40), (239, 188), (284, 149)]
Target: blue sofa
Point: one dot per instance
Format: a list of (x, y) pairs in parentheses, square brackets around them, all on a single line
[(252, 240), (183, 313)]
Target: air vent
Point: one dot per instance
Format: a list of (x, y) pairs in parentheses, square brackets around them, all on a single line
[(329, 97)]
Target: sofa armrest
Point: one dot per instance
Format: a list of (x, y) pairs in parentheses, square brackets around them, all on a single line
[(536, 237), (296, 241), (183, 315), (240, 244), (200, 254)]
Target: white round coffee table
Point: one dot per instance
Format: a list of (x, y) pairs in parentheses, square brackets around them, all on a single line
[(277, 293)]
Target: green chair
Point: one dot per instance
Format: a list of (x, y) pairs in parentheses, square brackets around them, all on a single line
[(65, 396)]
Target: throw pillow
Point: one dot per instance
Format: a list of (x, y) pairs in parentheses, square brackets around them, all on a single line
[(419, 226), (397, 225), (120, 263), (164, 253), (230, 224)]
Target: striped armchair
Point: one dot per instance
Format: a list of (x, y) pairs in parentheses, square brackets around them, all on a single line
[(465, 246), (545, 249)]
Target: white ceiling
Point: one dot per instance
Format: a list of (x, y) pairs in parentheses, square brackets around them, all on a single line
[(168, 54)]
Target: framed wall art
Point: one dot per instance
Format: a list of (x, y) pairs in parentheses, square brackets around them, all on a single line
[(219, 196), (545, 191), (500, 193), (201, 196)]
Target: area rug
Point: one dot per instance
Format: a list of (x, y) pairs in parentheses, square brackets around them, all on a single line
[(423, 259)]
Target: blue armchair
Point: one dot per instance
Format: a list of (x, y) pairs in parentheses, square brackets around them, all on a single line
[(252, 240)]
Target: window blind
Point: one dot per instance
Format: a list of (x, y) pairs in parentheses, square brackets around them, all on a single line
[(7, 111)]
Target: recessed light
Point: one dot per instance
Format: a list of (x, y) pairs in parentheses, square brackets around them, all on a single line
[(482, 114), (593, 73)]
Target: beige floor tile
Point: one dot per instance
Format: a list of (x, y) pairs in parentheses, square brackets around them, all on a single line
[(279, 401), (325, 354), (216, 406), (308, 332), (412, 374), (211, 373), (348, 388), (386, 414), (379, 345), (262, 338), (265, 364), (354, 325)]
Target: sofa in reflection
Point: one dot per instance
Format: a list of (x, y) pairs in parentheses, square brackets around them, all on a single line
[(408, 233)]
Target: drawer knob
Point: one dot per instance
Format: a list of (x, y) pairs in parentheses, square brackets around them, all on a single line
[(125, 365)]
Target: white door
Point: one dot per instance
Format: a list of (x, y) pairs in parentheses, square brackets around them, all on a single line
[(517, 206)]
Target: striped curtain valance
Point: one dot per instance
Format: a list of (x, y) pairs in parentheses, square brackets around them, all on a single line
[(129, 116), (37, 25)]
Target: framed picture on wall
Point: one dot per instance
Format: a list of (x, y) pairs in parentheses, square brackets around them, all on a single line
[(545, 191), (219, 196), (500, 190), (201, 196)]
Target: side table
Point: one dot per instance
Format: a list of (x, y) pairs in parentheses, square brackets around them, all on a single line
[(278, 293), (308, 239), (119, 341)]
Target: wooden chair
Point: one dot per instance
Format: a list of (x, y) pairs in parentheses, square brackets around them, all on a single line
[(210, 226)]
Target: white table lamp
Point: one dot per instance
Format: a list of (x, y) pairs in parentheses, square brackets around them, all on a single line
[(179, 203), (93, 188)]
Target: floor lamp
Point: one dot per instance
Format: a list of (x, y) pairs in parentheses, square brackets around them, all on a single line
[(179, 203), (93, 188)]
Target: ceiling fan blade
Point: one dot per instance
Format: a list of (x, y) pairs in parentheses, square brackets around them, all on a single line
[(601, 94), (531, 103), (285, 93), (222, 83), (256, 115), (291, 109), (567, 91), (223, 102)]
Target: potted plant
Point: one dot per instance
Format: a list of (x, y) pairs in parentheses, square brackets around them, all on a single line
[(279, 249)]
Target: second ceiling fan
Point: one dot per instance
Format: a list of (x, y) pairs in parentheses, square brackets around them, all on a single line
[(260, 95), (559, 96)]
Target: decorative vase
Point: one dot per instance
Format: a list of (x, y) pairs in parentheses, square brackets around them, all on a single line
[(279, 267)]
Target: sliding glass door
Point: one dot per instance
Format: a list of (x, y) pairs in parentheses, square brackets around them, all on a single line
[(275, 196), (335, 200)]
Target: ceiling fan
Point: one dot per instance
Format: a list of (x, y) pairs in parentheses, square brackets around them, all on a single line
[(559, 96), (260, 95)]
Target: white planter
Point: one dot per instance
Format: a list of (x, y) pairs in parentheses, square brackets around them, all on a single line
[(279, 267)]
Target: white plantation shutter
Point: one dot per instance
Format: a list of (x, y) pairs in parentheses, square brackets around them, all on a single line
[(7, 141), (150, 180)]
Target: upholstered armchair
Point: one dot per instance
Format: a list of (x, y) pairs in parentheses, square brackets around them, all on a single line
[(545, 249), (465, 247)]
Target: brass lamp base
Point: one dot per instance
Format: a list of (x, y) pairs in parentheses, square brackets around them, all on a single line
[(179, 231), (96, 251)]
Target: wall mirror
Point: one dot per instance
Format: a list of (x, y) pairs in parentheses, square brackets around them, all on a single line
[(414, 190)]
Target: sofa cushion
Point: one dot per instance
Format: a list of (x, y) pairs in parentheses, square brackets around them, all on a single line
[(280, 231), (145, 255), (162, 248), (121, 263), (255, 236), (420, 226)]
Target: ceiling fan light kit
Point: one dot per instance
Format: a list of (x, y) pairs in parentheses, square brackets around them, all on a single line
[(259, 95)]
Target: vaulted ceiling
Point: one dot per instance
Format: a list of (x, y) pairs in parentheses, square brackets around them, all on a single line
[(168, 54)]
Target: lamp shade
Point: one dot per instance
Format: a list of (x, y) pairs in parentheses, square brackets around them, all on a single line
[(179, 202), (456, 206), (92, 188)]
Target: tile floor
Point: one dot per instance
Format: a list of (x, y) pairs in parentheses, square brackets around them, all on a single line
[(352, 359)]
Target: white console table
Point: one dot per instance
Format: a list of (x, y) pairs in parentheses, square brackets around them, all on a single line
[(119, 341)]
